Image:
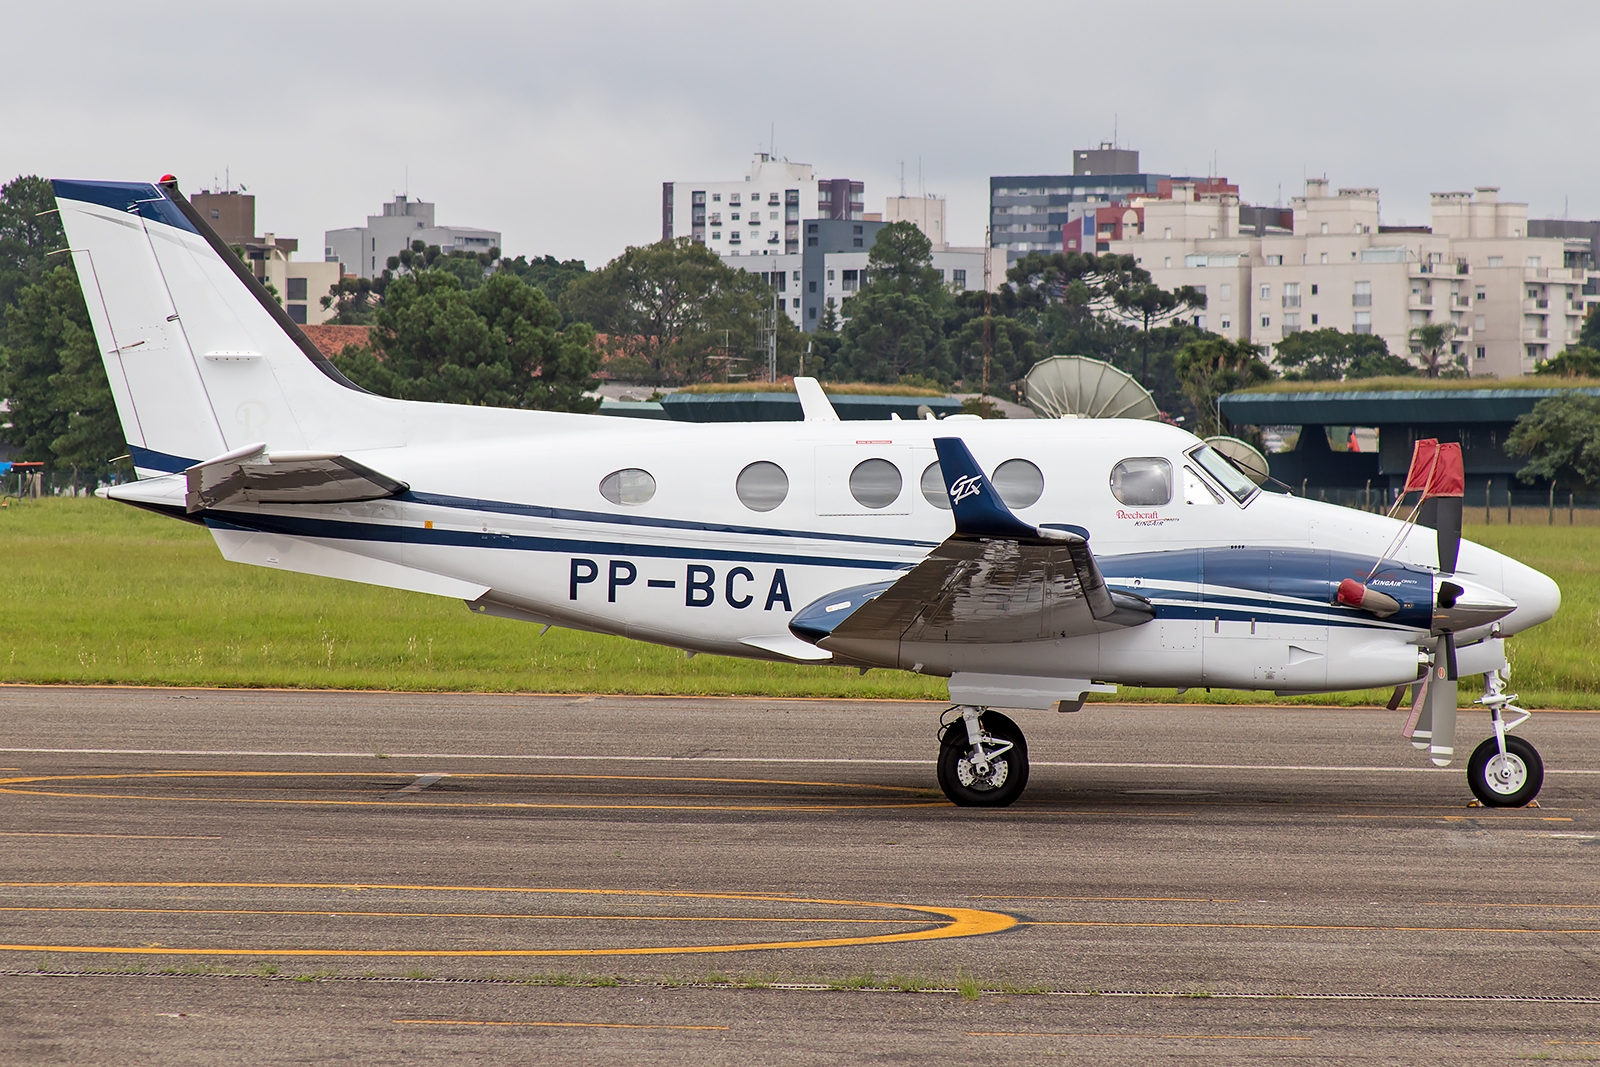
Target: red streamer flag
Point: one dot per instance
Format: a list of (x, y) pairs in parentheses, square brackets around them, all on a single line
[(1436, 469)]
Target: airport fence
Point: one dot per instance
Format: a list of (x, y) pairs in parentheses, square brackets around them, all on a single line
[(1502, 507)]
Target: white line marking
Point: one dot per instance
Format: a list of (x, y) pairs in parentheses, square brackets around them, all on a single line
[(602, 758)]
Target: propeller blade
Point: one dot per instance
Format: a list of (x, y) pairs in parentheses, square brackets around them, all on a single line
[(1442, 701), (1448, 517), (1419, 724)]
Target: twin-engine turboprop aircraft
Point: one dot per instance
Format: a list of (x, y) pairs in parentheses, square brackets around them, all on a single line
[(959, 548)]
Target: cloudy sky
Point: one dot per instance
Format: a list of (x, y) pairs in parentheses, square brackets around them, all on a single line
[(557, 122)]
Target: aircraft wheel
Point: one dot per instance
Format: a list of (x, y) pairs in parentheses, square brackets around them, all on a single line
[(1508, 781), (1008, 772)]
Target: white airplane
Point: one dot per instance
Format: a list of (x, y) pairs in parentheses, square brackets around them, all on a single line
[(959, 548)]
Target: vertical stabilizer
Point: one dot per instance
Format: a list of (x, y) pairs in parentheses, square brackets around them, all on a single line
[(200, 357)]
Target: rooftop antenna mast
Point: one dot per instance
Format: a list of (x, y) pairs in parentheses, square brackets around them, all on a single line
[(988, 322), (902, 179)]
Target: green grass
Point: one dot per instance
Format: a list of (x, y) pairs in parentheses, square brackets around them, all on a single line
[(100, 593)]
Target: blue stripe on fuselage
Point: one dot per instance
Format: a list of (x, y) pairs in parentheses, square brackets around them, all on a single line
[(344, 530)]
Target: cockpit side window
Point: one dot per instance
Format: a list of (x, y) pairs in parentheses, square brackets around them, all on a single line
[(1195, 489), (1238, 485), (1142, 482)]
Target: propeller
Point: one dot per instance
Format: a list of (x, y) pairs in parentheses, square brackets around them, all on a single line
[(1437, 473)]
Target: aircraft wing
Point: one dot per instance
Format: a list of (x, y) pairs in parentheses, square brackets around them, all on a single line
[(253, 475), (996, 580)]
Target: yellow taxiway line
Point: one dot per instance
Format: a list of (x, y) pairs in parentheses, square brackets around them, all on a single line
[(960, 922), (515, 1022), (14, 786)]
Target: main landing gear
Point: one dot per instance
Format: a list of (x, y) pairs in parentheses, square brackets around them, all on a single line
[(1504, 771), (983, 759)]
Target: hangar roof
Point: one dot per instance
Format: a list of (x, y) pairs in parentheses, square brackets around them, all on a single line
[(1354, 407)]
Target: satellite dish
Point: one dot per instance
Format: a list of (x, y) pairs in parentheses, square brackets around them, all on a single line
[(1243, 455), (1084, 388)]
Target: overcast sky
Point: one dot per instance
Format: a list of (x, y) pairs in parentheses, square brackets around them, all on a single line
[(557, 123)]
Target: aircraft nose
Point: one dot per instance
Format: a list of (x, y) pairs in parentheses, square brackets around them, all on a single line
[(1537, 596)]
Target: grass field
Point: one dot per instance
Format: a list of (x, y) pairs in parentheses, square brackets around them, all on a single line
[(93, 592)]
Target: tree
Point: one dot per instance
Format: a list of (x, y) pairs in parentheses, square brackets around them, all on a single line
[(1011, 348), (1561, 439), (30, 229), (1590, 335), (1431, 344), (352, 301), (1070, 302), (62, 412), (1330, 356), (674, 312), (497, 345), (1577, 362), (1147, 304), (896, 325), (548, 274), (1213, 366)]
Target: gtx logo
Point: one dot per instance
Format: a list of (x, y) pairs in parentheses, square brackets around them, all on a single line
[(963, 487)]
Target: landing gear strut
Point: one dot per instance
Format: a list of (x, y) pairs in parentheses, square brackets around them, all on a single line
[(1504, 771), (983, 759)]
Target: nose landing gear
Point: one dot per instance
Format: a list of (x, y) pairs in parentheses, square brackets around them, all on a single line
[(983, 759), (1504, 771)]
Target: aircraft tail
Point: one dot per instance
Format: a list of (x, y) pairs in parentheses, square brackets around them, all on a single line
[(200, 357)]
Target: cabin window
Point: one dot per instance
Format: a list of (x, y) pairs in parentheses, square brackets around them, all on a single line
[(1142, 482), (762, 486), (933, 487), (1019, 483), (631, 486), (875, 483)]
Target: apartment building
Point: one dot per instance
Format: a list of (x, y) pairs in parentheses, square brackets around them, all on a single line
[(365, 250), (1512, 298), (832, 265), (1027, 213), (761, 214), (300, 284)]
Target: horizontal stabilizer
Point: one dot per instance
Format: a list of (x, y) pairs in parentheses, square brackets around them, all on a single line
[(252, 475)]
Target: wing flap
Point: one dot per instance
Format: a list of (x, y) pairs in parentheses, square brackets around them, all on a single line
[(254, 475)]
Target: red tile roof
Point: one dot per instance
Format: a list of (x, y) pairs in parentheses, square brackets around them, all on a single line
[(332, 339)]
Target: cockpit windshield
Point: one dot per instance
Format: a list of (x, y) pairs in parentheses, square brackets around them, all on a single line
[(1240, 487)]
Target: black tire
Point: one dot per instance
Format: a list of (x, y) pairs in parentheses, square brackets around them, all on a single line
[(953, 752), (1502, 786)]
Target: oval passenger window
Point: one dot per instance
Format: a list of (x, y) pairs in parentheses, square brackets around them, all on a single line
[(762, 486), (1019, 483), (875, 483), (933, 487), (1144, 482), (631, 486)]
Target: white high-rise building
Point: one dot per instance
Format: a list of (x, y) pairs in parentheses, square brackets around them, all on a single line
[(365, 250), (759, 215), (1513, 300)]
